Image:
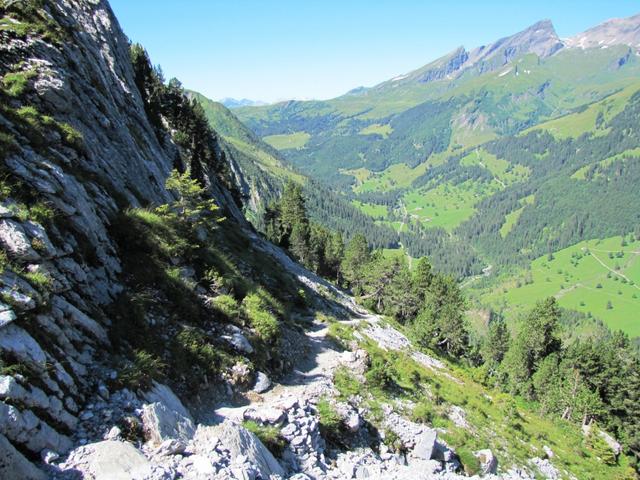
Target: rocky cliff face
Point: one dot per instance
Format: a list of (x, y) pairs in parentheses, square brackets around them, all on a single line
[(78, 146)]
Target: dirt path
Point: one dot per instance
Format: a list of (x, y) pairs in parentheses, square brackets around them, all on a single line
[(621, 275), (312, 377)]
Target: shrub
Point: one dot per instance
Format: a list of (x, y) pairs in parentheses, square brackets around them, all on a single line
[(227, 305), (346, 383), (330, 420), (380, 374), (141, 372), (600, 448), (261, 319), (270, 436), (470, 463), (422, 413)]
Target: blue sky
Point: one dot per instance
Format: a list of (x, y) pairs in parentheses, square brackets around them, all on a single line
[(280, 49)]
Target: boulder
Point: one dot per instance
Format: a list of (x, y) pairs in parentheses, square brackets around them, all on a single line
[(161, 423), (111, 460), (239, 441), (269, 415), (165, 417), (488, 461), (425, 445), (239, 342), (262, 383), (14, 465)]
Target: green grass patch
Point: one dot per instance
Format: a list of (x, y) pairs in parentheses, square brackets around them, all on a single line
[(346, 383), (269, 435), (377, 129), (14, 84), (446, 205), (597, 277), (287, 141), (373, 210), (504, 172), (592, 120), (260, 315)]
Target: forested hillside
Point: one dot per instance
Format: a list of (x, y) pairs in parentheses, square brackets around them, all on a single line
[(491, 161)]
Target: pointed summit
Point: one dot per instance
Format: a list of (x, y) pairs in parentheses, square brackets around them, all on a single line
[(540, 38)]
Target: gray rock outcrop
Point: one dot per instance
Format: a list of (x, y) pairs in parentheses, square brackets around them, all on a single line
[(240, 442), (166, 418), (113, 460), (13, 465)]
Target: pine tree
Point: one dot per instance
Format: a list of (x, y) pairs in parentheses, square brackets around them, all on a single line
[(422, 277), (356, 257), (536, 340), (496, 342)]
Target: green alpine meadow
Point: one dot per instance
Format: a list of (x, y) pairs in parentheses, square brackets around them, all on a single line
[(215, 264)]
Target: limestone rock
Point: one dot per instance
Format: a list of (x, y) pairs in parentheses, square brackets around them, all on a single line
[(488, 461), (262, 383), (14, 465), (7, 315), (166, 418), (15, 241), (239, 342), (425, 445), (24, 427), (268, 415), (239, 441), (18, 292), (40, 238), (15, 340), (546, 468), (111, 460)]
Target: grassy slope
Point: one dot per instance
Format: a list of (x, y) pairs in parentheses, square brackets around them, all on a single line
[(582, 277), (513, 429), (225, 123), (576, 124), (527, 90)]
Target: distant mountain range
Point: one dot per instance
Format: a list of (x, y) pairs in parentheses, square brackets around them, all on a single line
[(243, 102)]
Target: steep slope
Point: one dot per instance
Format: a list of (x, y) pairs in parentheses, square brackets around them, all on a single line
[(101, 290)]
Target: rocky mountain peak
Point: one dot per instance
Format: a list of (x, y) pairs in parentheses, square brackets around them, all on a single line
[(617, 31), (540, 39)]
